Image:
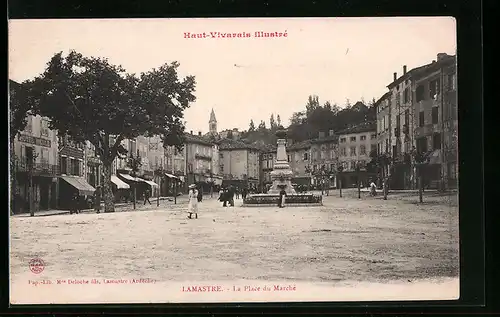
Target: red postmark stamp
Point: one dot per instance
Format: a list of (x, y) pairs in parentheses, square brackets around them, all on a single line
[(37, 265)]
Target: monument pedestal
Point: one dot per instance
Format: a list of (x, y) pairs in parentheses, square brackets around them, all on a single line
[(282, 174)]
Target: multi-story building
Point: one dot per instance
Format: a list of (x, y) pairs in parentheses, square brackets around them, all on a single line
[(300, 162), (36, 155), (435, 119), (354, 147), (198, 158), (93, 166), (324, 158), (216, 176), (267, 159), (239, 163), (384, 132)]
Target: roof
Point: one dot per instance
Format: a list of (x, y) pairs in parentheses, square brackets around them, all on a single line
[(384, 96), (421, 70), (326, 139), (360, 128), (236, 145), (300, 145), (193, 138), (268, 148), (212, 116)]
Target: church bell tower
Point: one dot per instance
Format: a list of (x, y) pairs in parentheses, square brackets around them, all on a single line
[(212, 123)]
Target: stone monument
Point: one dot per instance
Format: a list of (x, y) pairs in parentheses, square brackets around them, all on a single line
[(282, 174)]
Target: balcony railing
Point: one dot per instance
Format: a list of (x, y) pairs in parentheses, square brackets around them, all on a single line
[(39, 168)]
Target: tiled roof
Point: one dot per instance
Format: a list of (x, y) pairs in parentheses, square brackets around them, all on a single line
[(193, 138), (360, 128), (300, 145), (326, 139), (236, 145), (384, 96)]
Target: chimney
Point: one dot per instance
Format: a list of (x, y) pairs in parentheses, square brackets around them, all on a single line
[(404, 69), (199, 133), (441, 56), (330, 133), (321, 134), (395, 76), (191, 132)]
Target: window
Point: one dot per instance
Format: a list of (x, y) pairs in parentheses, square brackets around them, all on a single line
[(44, 156), (305, 156), (387, 146), (76, 167), (363, 137), (288, 158), (64, 165), (434, 115), (421, 119), (353, 151), (362, 150), (29, 124), (420, 93), (353, 139), (352, 165), (434, 89), (332, 154), (436, 141), (407, 117), (44, 128), (322, 155), (342, 140), (332, 167), (422, 145), (406, 95), (373, 136), (315, 167), (343, 151)]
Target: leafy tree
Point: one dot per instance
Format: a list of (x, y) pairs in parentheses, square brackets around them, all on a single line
[(262, 126), (252, 126), (272, 123), (87, 98), (19, 106), (229, 135), (312, 103), (278, 120)]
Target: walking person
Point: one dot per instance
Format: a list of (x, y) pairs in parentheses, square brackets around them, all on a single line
[(193, 202), (281, 202), (75, 204), (224, 197), (244, 192), (97, 199), (146, 196), (373, 189), (231, 193), (237, 192)]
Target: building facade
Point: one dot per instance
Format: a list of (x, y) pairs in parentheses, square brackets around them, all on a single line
[(36, 159), (198, 158), (300, 162), (267, 160), (324, 159), (354, 147), (239, 163), (384, 132)]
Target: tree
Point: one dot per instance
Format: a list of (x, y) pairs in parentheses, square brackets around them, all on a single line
[(312, 103), (18, 111), (278, 120), (229, 135), (262, 126), (252, 126), (87, 98), (272, 123)]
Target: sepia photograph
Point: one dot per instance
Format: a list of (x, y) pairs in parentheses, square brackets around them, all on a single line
[(219, 160)]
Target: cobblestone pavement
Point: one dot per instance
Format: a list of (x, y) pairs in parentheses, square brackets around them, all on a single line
[(346, 239)]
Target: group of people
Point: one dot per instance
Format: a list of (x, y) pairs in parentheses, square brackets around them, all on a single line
[(227, 195)]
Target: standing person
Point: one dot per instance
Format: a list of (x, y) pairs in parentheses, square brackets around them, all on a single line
[(97, 199), (373, 189), (237, 192), (244, 193), (193, 201), (222, 197), (75, 204), (231, 196), (146, 196), (200, 194), (281, 202)]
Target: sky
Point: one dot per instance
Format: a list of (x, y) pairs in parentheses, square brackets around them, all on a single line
[(246, 78)]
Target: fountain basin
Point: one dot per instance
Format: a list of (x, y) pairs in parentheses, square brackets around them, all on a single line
[(265, 200)]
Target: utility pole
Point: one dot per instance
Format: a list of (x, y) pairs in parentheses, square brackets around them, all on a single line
[(340, 168)]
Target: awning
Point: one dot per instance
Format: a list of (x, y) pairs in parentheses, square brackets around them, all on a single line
[(119, 183), (80, 184), (218, 181), (130, 178), (149, 182), (170, 175)]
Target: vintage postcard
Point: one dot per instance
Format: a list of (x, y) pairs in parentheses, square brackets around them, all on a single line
[(233, 160)]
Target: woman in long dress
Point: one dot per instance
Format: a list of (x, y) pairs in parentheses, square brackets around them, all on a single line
[(193, 202)]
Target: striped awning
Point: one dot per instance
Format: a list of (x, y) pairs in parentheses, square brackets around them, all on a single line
[(119, 183), (80, 184)]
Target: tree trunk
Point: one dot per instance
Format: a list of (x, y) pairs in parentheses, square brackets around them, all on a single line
[(109, 205), (384, 187), (420, 186), (340, 185)]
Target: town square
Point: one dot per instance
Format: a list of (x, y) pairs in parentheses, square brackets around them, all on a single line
[(189, 180)]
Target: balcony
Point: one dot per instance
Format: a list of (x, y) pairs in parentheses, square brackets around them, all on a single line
[(203, 157), (39, 169)]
